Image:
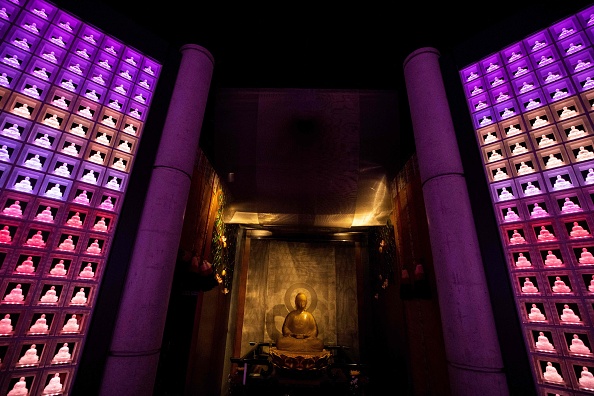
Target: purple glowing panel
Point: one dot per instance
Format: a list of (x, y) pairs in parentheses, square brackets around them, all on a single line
[(513, 53), (573, 44), (565, 28), (538, 41), (544, 57), (67, 22)]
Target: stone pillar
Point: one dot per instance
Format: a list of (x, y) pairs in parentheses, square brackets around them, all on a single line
[(474, 358), (131, 366)]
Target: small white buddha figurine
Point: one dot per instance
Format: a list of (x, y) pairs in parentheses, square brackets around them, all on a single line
[(96, 157), (480, 105), (5, 236), (543, 343), (135, 113), (22, 110), (71, 325), (12, 61), (6, 325), (591, 286), (78, 129), (86, 112), (505, 195), (115, 104), (584, 154), (4, 154), (26, 267), (99, 79), (519, 149), (528, 286), (45, 215), (472, 76), (568, 315), (103, 138), (54, 192), (58, 41), (19, 389), (12, 131), (52, 121), (578, 346), (90, 39), (538, 122), (87, 272), (54, 386), (126, 74), (551, 374), (532, 104), (545, 141), (107, 204), (523, 261), (514, 56), (62, 170), (569, 206), (565, 32), (489, 138), (82, 198), (83, 52), (485, 121), (66, 26), (113, 183), (50, 296), (75, 68), (577, 231), (90, 177), (120, 88), (50, 56), (109, 121), (560, 286), (507, 113), (24, 185), (100, 225), (92, 94), (71, 149), (36, 240), (120, 165), (67, 244), (75, 220), (144, 83), (111, 50), (545, 60), (591, 20), (61, 103), (3, 13), (94, 247), (63, 355), (150, 71), (590, 176), (552, 77), (545, 235), (40, 12), (79, 298), (40, 326), (553, 161), (13, 209), (105, 64), (552, 261), (586, 257), (140, 98), (41, 73), (535, 314), (516, 238), (130, 129), (520, 71), (125, 146), (575, 133), (131, 60), (561, 183), (531, 189), (4, 81), (15, 295), (559, 93), (34, 162), (43, 141), (566, 113), (32, 91), (498, 175), (68, 84), (30, 357), (526, 86), (59, 269), (586, 379)]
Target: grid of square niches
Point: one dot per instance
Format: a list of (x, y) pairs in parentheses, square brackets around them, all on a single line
[(73, 102), (532, 105)]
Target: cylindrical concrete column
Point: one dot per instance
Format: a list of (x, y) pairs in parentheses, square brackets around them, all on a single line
[(134, 352), (472, 348)]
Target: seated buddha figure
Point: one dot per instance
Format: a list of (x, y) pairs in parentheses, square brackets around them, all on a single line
[(545, 235), (578, 346), (543, 343), (577, 231), (300, 330), (552, 260), (560, 286), (586, 257)]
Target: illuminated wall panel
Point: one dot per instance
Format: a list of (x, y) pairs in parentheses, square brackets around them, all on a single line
[(73, 102), (532, 106)]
